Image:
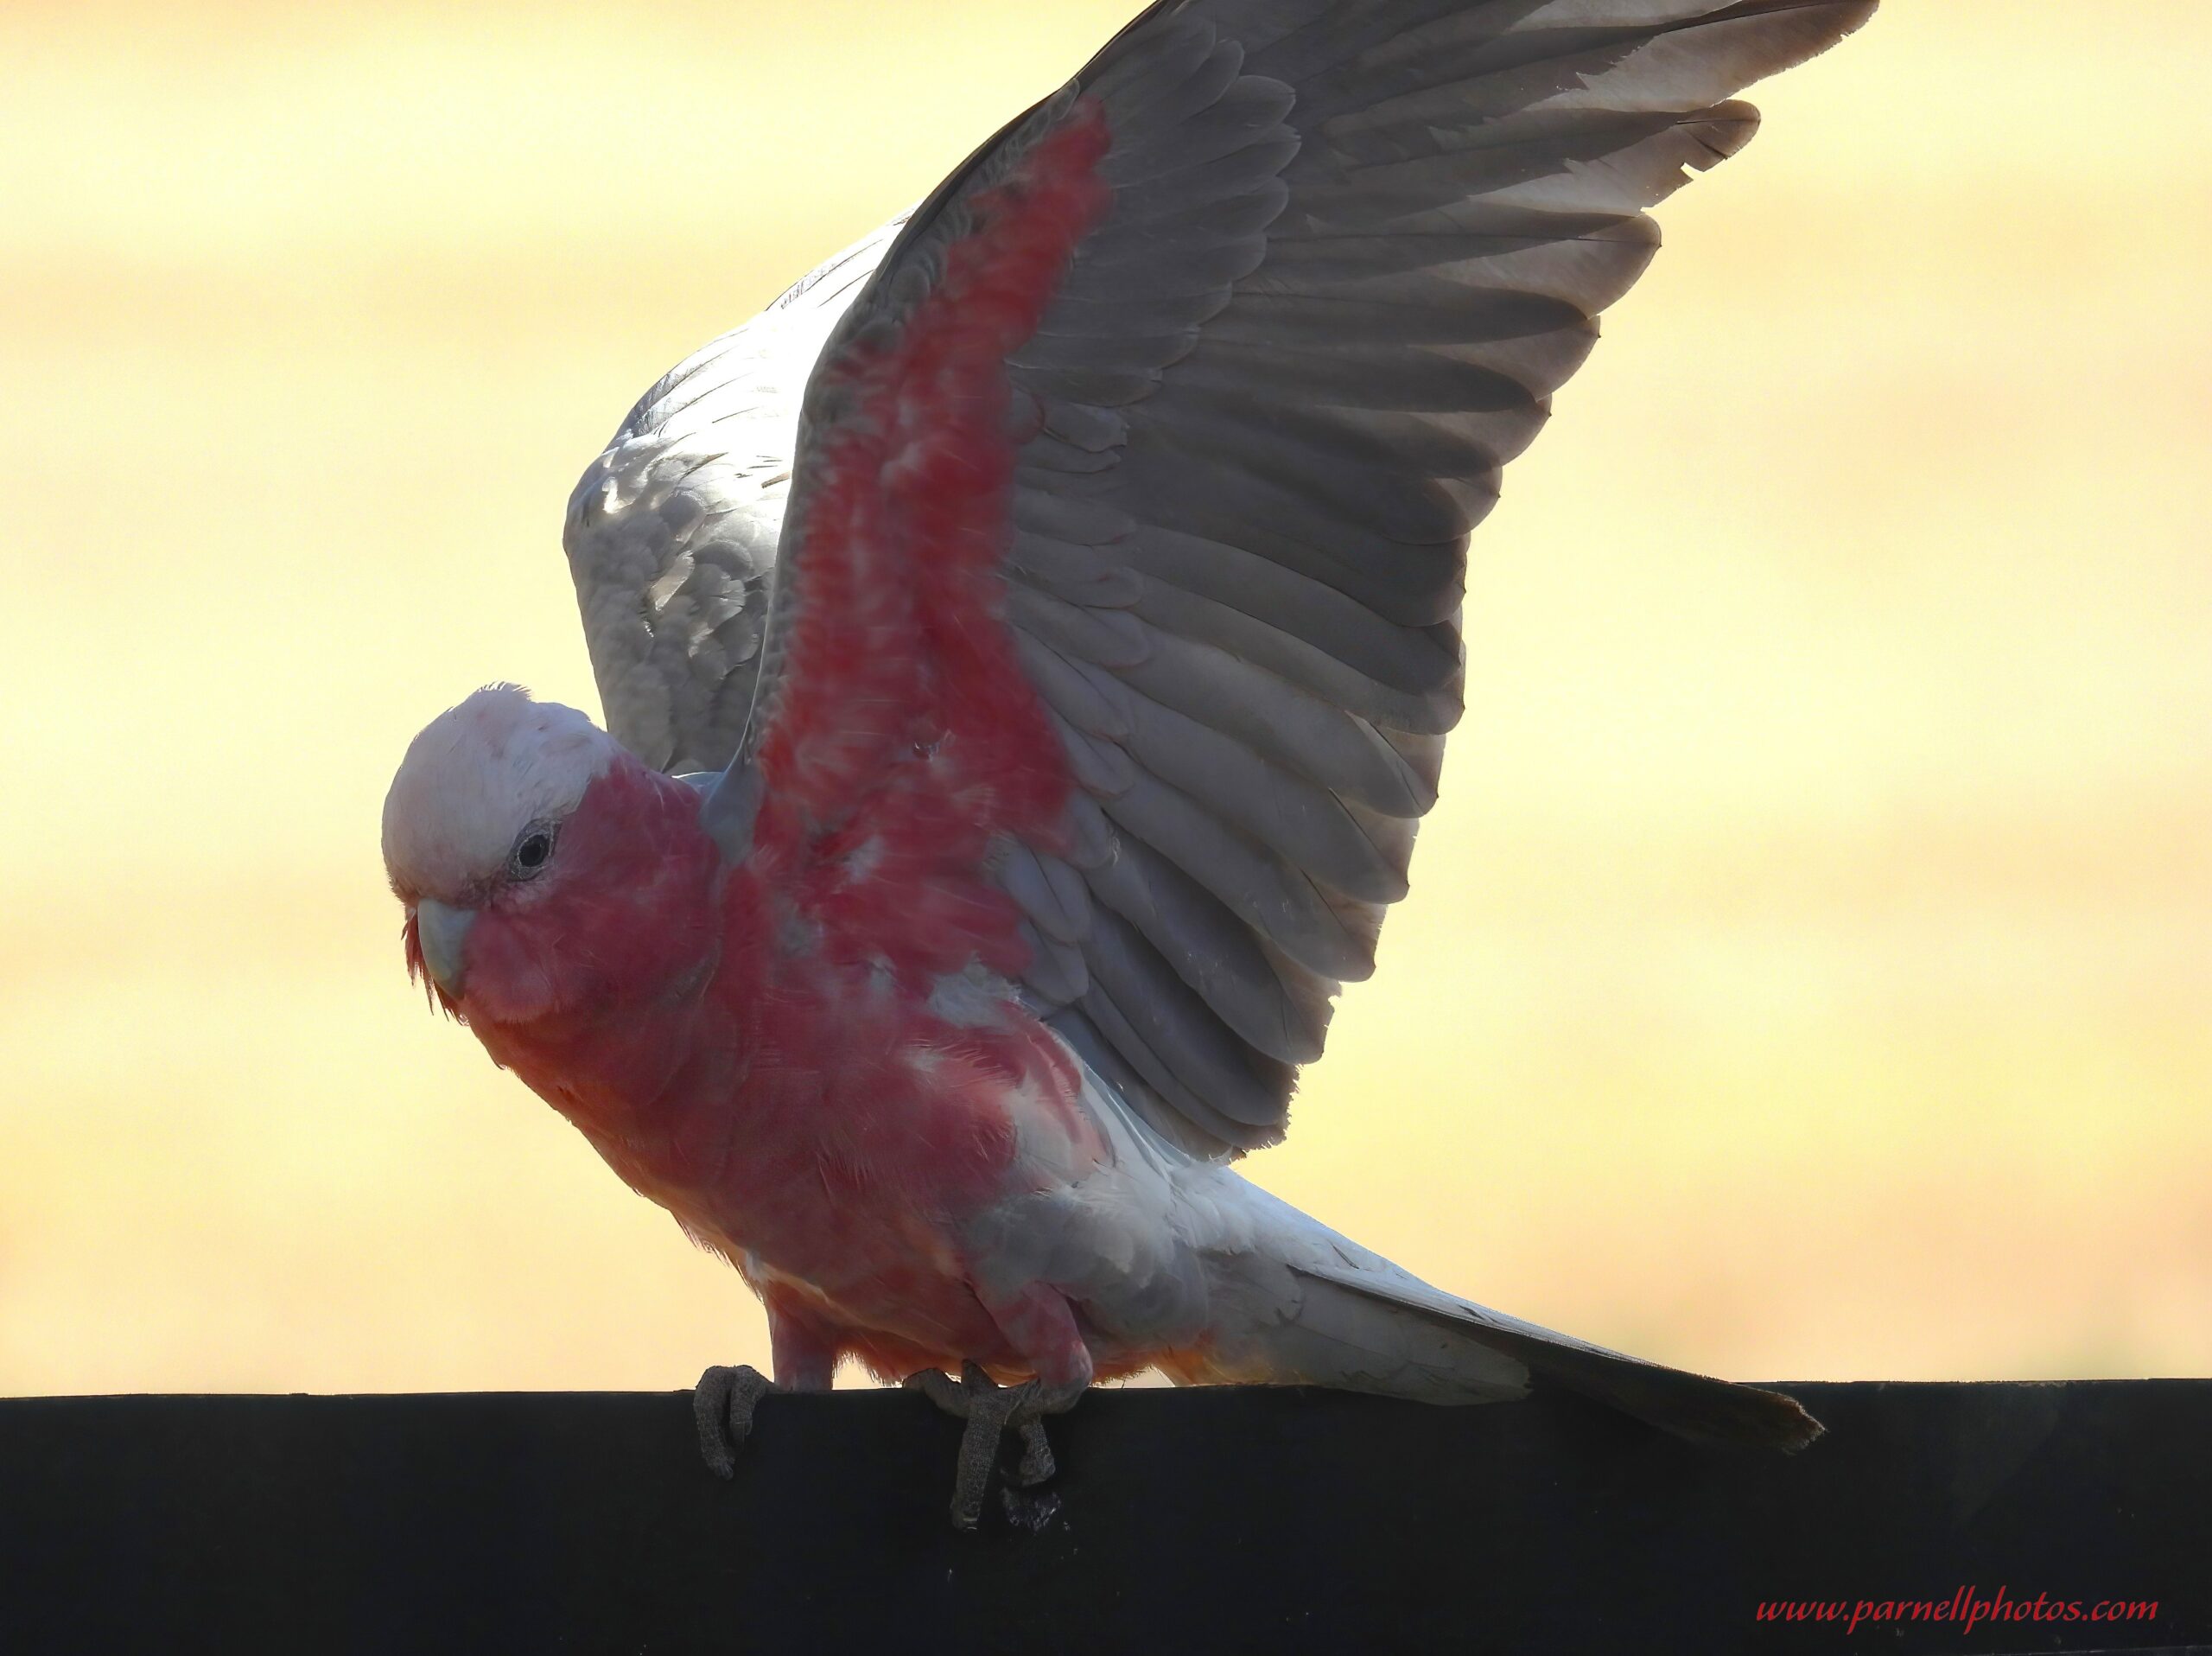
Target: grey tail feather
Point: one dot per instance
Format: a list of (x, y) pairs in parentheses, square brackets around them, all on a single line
[(1696, 1407)]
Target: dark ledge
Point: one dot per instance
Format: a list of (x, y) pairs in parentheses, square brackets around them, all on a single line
[(1216, 1521)]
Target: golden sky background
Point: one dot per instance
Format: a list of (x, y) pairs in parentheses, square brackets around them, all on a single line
[(1809, 973)]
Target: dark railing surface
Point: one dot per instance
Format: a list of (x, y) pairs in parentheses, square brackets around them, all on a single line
[(1216, 1521)]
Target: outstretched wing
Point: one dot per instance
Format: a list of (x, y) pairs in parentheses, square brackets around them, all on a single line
[(672, 532), (1115, 636)]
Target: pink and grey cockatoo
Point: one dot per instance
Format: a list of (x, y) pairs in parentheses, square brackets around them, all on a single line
[(1016, 734)]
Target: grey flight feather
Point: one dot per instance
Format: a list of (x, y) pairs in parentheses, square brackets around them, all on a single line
[(1351, 251)]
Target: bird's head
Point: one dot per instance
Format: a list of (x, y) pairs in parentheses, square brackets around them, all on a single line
[(542, 866)]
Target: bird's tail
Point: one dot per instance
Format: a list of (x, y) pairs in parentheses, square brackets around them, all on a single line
[(1310, 1307), (1694, 1406)]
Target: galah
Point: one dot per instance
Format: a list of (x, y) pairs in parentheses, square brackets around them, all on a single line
[(1027, 651)]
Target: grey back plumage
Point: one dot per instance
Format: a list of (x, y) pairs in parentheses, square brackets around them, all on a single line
[(672, 532)]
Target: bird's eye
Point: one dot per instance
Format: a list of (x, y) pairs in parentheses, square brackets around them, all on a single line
[(531, 853)]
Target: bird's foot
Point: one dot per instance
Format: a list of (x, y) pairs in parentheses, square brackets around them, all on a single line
[(992, 1410), (723, 1404)]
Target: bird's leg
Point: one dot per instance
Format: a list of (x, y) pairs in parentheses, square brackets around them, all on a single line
[(723, 1404), (806, 1350), (1036, 1464), (990, 1411)]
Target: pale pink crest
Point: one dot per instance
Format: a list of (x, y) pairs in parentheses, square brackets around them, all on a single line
[(476, 777)]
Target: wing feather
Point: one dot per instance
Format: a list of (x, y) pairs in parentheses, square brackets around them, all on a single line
[(1121, 579)]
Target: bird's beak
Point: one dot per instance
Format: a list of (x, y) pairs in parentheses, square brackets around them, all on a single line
[(442, 929)]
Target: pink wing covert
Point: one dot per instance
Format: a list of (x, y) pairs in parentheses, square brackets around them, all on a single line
[(906, 736)]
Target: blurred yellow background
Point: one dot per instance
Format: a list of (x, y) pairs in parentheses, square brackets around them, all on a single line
[(1808, 973)]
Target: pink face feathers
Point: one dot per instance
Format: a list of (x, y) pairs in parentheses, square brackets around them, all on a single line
[(545, 869)]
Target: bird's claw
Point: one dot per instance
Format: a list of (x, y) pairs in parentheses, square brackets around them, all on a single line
[(990, 1411), (723, 1404)]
